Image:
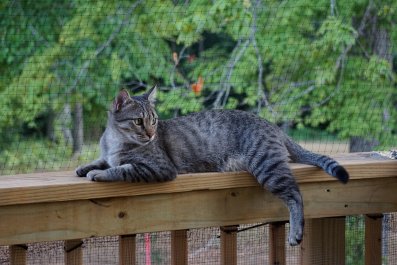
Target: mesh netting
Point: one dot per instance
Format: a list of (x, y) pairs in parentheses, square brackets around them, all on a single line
[(324, 71), (204, 247), (321, 70)]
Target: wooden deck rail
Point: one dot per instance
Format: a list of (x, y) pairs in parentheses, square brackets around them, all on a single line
[(59, 206)]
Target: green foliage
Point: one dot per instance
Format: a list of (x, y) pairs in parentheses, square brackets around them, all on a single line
[(311, 134), (37, 155), (354, 235), (295, 61)]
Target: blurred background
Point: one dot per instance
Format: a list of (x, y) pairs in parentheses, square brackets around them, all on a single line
[(322, 70)]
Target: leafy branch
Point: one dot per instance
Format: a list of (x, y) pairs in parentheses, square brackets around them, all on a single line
[(360, 32), (223, 94), (103, 46), (261, 93)]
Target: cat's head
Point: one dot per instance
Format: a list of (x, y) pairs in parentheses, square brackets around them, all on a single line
[(134, 118)]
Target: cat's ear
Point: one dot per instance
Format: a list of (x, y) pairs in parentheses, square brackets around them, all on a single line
[(151, 95), (121, 99)]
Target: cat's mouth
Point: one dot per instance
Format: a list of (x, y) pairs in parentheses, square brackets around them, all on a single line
[(147, 139)]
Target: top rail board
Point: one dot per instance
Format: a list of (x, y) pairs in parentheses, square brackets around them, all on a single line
[(65, 186)]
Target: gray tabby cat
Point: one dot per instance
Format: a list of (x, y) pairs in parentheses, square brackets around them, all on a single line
[(136, 146)]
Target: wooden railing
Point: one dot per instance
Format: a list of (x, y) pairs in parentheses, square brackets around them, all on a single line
[(59, 206)]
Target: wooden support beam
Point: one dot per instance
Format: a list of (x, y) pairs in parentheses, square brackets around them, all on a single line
[(36, 222), (229, 245), (179, 247), (324, 242), (73, 252), (277, 243), (373, 239), (18, 254), (57, 186), (127, 249)]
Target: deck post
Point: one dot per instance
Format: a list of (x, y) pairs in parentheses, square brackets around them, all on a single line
[(127, 249), (323, 242), (229, 245), (18, 254), (277, 243), (179, 253), (73, 252), (373, 239)]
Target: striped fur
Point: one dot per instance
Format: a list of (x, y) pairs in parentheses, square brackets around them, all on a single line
[(217, 140)]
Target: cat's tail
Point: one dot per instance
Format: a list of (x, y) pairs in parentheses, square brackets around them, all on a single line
[(300, 155)]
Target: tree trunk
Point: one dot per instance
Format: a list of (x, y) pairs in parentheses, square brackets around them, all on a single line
[(379, 40), (66, 119), (359, 144), (78, 128), (286, 126), (50, 124)]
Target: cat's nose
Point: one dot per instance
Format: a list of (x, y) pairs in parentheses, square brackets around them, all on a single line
[(150, 134)]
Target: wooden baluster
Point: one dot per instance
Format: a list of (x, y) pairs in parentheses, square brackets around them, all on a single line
[(229, 245), (18, 254), (179, 247), (373, 239), (73, 252), (127, 249), (277, 243), (323, 242)]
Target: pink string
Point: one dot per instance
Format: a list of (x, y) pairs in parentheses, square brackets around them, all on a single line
[(148, 257)]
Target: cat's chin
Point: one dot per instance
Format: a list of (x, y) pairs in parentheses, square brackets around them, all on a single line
[(142, 142)]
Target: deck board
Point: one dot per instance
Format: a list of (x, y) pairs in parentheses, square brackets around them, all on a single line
[(65, 186), (60, 206)]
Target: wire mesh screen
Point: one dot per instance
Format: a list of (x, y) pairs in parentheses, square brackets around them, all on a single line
[(251, 245), (389, 234), (101, 250), (322, 70), (204, 247), (4, 255)]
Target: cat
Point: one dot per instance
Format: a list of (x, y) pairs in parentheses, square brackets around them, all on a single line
[(137, 146)]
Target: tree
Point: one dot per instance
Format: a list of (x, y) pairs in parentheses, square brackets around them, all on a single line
[(325, 65)]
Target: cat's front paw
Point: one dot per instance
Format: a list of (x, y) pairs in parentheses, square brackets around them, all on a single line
[(98, 175), (82, 171)]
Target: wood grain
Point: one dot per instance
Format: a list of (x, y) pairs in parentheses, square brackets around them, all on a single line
[(229, 245), (179, 247), (65, 186), (49, 221), (277, 243), (324, 242), (73, 252), (373, 239), (60, 206), (127, 249), (18, 254)]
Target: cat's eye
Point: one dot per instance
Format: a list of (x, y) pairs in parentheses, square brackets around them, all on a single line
[(138, 121), (154, 121)]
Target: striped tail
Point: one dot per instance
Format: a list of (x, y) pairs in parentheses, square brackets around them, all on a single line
[(300, 155)]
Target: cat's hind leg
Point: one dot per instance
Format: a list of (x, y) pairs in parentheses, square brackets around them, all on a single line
[(275, 175), (96, 164)]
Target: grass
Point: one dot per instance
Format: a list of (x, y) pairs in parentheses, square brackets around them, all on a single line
[(38, 155)]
